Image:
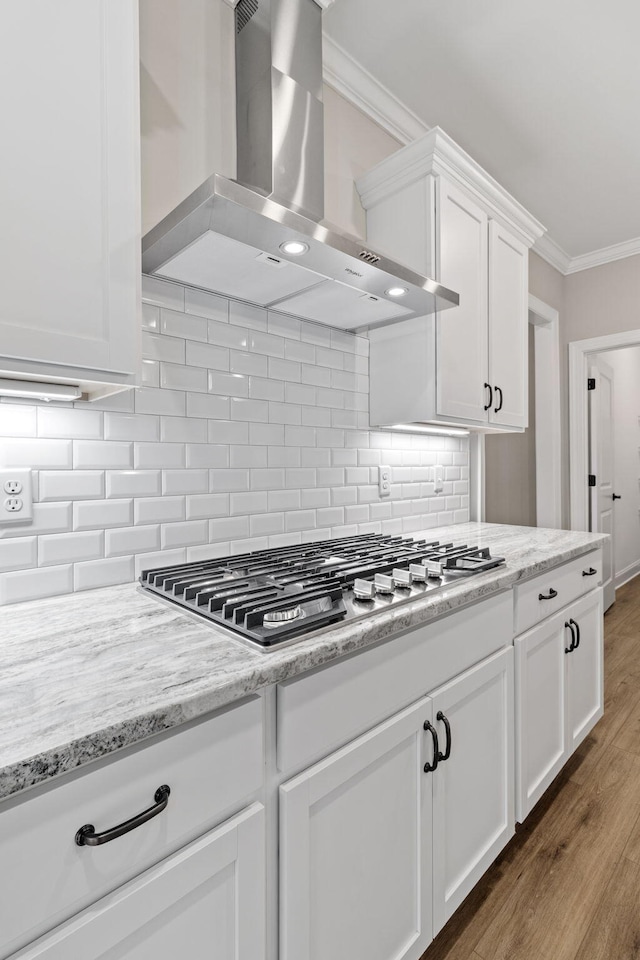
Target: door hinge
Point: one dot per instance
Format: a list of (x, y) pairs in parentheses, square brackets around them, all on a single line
[(591, 383), (592, 479)]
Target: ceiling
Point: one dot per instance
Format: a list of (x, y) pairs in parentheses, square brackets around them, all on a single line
[(545, 95)]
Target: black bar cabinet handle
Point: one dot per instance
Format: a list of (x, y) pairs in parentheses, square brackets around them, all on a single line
[(616, 496), (499, 407), (87, 836), (572, 645), (488, 387), (430, 767), (591, 572), (447, 726), (573, 622), (548, 596)]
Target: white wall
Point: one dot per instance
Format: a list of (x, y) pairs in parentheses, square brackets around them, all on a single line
[(626, 441)]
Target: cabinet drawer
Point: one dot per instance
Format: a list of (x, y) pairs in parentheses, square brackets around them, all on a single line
[(329, 707), (568, 582), (211, 768)]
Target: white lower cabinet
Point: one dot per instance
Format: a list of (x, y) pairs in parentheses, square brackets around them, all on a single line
[(473, 789), (382, 840), (207, 900), (559, 694)]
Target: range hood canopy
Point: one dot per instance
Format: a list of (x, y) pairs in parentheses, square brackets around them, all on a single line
[(232, 237)]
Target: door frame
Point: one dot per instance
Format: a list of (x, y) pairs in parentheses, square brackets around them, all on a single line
[(580, 352), (546, 325)]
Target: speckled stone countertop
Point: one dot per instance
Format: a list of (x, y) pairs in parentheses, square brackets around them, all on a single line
[(86, 674)]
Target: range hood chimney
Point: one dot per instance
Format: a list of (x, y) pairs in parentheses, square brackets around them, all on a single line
[(261, 238)]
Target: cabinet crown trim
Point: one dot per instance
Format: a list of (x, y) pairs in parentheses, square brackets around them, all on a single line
[(437, 154)]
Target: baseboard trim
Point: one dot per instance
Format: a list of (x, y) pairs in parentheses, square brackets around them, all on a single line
[(633, 570)]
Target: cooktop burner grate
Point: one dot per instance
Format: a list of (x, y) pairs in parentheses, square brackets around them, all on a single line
[(271, 597)]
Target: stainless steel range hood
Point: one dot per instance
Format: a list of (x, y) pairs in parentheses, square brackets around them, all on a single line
[(234, 237)]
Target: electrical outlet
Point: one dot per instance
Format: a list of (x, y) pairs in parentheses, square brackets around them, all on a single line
[(16, 502), (384, 481), (438, 479)]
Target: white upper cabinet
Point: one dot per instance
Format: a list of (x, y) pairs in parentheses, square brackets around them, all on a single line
[(431, 206), (70, 192)]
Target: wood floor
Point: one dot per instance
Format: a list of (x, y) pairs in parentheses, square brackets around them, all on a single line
[(567, 887)]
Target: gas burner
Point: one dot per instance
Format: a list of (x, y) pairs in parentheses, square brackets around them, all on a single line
[(273, 597)]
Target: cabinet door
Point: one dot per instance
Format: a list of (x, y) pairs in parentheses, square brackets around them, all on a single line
[(585, 690), (207, 900), (473, 789), (461, 339), (69, 183), (355, 854), (508, 331), (541, 734)]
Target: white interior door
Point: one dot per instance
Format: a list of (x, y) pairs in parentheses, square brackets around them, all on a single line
[(601, 466)]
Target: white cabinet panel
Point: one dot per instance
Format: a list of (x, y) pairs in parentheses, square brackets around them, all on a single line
[(473, 788), (355, 853), (508, 330), (207, 900), (461, 334), (69, 187), (585, 675)]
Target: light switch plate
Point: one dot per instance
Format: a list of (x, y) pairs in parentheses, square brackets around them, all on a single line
[(16, 496), (438, 479), (384, 481)]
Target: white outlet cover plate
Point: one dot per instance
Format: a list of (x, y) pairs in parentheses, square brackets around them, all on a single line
[(15, 485)]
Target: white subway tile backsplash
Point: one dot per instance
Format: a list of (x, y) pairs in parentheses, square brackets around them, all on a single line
[(130, 540), (18, 554), (99, 514), (38, 454), (207, 455), (70, 547), (250, 429), (159, 509), (133, 483), (35, 584), (174, 324), (70, 485), (246, 315), (206, 305), (162, 293), (183, 430), (225, 481), (103, 573), (207, 506), (180, 482), (69, 422), (207, 355), (18, 420), (129, 426)]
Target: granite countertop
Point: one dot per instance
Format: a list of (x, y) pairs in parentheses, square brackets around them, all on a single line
[(85, 674)]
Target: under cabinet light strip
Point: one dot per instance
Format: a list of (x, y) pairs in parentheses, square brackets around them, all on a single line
[(33, 390), (438, 431)]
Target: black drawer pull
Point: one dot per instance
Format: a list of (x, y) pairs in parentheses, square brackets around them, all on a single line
[(572, 645), (548, 596), (447, 726), (430, 767), (591, 572), (488, 387), (574, 624), (87, 836), (499, 407)]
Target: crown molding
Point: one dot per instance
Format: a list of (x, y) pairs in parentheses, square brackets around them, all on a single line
[(361, 88), (553, 253), (436, 153), (617, 251)]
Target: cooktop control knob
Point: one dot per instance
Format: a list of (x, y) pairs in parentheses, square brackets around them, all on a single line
[(364, 590), (383, 584), (418, 572), (401, 579), (434, 569)]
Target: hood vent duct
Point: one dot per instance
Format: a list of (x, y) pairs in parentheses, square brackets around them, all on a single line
[(234, 237)]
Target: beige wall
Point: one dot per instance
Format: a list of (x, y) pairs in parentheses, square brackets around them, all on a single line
[(188, 114)]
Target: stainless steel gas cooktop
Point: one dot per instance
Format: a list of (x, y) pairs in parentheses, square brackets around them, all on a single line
[(273, 597)]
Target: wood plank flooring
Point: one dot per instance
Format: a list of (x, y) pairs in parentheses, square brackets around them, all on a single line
[(567, 887)]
